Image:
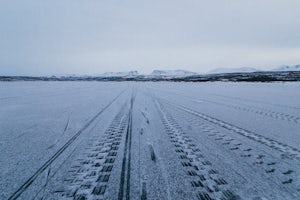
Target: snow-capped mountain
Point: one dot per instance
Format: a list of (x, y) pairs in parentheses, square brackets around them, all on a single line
[(172, 73), (287, 68), (119, 74), (232, 70), (70, 75)]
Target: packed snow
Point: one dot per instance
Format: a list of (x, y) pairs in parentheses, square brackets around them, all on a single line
[(149, 140)]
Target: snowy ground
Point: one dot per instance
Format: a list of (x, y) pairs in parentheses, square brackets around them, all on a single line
[(96, 140)]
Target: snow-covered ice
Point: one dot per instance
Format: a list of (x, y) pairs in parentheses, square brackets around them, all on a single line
[(149, 140)]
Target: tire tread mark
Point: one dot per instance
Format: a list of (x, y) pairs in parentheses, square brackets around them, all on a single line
[(259, 111), (93, 170), (251, 135), (27, 183), (203, 177), (126, 157)]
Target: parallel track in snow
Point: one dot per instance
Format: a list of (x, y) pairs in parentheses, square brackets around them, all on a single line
[(258, 111), (27, 183), (124, 190), (281, 172), (89, 176), (207, 182), (245, 108), (256, 101), (279, 146)]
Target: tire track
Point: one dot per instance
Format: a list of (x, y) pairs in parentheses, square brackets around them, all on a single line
[(153, 180), (206, 181), (282, 173), (256, 101), (27, 183), (260, 111), (246, 108), (289, 150), (126, 163), (89, 176), (64, 131), (5, 98)]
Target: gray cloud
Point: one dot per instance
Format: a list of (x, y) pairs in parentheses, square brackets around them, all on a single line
[(90, 37)]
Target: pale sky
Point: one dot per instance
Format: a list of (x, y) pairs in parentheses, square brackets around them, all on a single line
[(52, 37)]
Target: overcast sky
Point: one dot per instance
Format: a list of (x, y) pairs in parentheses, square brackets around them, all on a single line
[(41, 37)]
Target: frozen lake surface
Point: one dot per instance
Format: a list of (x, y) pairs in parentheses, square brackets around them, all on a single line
[(153, 140)]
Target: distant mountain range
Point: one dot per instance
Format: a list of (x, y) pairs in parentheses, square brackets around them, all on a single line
[(283, 68), (232, 70), (173, 73), (184, 73), (119, 74), (154, 73), (284, 73)]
